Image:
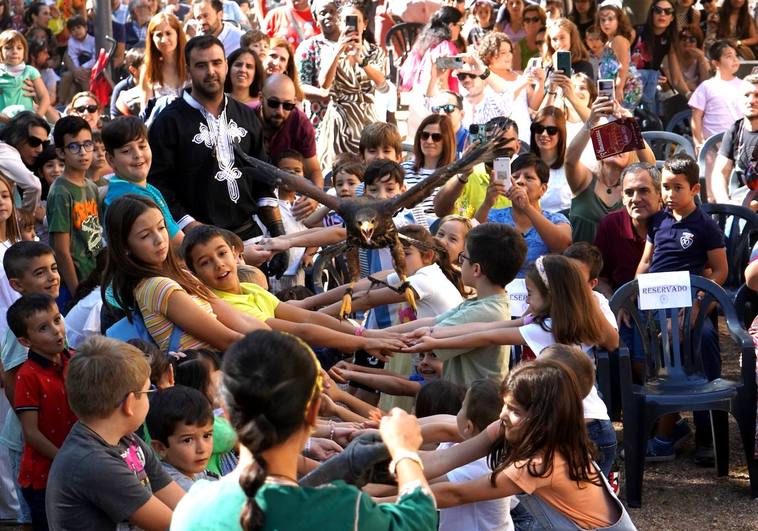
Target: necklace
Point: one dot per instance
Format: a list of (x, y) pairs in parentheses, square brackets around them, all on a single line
[(609, 187)]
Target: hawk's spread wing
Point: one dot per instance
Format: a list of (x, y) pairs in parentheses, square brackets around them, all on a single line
[(265, 172), (487, 151)]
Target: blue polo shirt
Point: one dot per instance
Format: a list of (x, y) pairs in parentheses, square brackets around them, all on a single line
[(118, 187), (683, 245)]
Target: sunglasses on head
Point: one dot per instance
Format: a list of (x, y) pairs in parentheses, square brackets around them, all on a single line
[(92, 109), (436, 137), (663, 10), (35, 142), (465, 75), (538, 129), (274, 104), (448, 108)]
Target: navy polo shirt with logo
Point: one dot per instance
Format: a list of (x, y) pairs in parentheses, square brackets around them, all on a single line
[(683, 245)]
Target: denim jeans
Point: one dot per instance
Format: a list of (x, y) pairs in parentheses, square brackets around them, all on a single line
[(15, 458), (649, 88), (601, 433)]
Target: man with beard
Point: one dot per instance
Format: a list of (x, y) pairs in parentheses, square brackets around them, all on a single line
[(210, 15), (193, 154), (285, 127), (738, 152)]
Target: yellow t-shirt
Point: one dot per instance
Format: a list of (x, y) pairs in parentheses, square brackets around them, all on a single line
[(254, 300), (152, 296), (474, 192)]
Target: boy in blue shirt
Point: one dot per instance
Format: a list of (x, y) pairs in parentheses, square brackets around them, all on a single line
[(682, 237), (128, 153)]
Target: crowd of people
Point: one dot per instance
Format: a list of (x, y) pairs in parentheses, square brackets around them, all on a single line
[(174, 349)]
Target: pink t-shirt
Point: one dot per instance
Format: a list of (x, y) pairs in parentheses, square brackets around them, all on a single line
[(721, 103)]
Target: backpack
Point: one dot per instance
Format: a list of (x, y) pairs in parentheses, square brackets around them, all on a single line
[(749, 175), (125, 330)]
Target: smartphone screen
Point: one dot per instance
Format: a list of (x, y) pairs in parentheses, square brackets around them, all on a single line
[(502, 168), (534, 63), (351, 22), (563, 62), (605, 88)]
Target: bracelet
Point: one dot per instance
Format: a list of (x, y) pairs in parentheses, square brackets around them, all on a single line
[(485, 74), (331, 430), (461, 179), (404, 454), (528, 318), (359, 331), (308, 445)]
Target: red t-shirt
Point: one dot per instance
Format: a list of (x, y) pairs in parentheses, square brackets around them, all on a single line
[(279, 24), (40, 387), (620, 246), (296, 133)]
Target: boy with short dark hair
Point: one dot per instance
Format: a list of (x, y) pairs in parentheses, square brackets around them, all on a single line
[(682, 237), (481, 407), (492, 257), (380, 140), (40, 394), (76, 234), (31, 269), (104, 475), (99, 167), (180, 423), (128, 152)]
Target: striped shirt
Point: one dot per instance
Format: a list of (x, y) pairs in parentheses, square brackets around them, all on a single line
[(152, 297)]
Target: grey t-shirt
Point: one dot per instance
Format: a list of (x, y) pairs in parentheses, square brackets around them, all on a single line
[(93, 485)]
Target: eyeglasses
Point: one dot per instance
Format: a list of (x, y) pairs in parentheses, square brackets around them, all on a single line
[(274, 104), (462, 76), (436, 137), (77, 147), (92, 109), (152, 389), (687, 38), (36, 142), (531, 20), (448, 108), (663, 11), (462, 257), (538, 129)]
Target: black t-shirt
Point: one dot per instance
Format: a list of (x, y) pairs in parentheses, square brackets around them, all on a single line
[(645, 59), (740, 146), (93, 485)]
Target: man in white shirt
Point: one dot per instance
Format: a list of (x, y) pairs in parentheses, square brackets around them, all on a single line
[(210, 15)]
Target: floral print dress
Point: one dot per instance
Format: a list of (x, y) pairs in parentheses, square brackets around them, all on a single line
[(608, 68)]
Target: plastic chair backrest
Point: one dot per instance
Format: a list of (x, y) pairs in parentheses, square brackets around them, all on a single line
[(680, 124), (398, 43), (125, 330), (746, 304), (711, 143), (673, 357), (665, 144), (740, 227)]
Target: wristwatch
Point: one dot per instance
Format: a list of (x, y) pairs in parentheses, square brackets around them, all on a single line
[(485, 74), (364, 63), (404, 454)]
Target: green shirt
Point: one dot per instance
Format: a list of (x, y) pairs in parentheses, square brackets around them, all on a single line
[(587, 210), (73, 209), (254, 300), (463, 366), (216, 506)]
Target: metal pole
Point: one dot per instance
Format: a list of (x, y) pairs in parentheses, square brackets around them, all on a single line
[(103, 24)]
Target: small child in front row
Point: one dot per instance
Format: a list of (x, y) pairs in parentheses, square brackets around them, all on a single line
[(347, 176), (40, 395), (14, 72), (481, 407), (180, 423), (104, 475)]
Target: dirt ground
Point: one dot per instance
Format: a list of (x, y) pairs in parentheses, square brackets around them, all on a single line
[(680, 495)]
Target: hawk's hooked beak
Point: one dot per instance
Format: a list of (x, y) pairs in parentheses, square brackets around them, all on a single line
[(367, 230)]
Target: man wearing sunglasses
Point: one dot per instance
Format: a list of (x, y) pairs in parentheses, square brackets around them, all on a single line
[(451, 104), (485, 96), (194, 165), (286, 127), (23, 139)]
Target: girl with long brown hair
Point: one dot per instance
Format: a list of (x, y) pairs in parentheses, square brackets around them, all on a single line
[(9, 234), (147, 277), (540, 448)]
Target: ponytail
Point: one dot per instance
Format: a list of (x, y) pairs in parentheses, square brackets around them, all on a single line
[(257, 435)]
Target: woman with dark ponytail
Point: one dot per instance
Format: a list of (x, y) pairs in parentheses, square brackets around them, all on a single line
[(272, 391)]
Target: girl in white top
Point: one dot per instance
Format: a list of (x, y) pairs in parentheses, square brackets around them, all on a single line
[(9, 234)]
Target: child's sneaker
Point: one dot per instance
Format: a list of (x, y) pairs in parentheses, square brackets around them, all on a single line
[(682, 433), (659, 450)]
